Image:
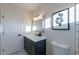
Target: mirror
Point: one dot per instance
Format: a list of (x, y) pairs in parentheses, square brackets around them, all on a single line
[(38, 24)]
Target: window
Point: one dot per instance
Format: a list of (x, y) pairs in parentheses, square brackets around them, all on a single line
[(77, 14), (34, 28), (48, 23), (71, 14), (43, 24), (28, 28)]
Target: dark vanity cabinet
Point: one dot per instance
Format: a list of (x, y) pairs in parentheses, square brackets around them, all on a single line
[(35, 48)]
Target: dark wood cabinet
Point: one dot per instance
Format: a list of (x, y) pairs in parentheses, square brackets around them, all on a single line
[(35, 48)]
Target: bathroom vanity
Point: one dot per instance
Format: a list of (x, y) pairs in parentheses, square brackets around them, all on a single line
[(35, 45)]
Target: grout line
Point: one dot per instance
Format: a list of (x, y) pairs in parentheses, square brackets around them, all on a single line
[(16, 53), (76, 33)]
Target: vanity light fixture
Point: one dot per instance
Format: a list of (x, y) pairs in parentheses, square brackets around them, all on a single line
[(38, 17)]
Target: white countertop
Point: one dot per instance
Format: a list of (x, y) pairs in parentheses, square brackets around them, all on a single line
[(35, 38)]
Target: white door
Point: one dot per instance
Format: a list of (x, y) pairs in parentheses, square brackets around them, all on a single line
[(11, 42)]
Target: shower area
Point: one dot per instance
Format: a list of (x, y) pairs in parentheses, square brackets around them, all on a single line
[(74, 23)]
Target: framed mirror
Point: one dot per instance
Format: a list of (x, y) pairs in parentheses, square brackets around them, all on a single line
[(38, 24)]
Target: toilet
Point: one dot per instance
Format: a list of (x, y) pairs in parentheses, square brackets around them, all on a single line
[(59, 49)]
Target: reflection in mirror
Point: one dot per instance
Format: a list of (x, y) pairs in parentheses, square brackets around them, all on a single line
[(38, 24), (28, 28)]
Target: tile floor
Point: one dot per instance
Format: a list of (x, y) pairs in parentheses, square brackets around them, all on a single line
[(20, 53)]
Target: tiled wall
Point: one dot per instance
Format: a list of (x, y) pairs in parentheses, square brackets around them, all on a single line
[(77, 28), (77, 38)]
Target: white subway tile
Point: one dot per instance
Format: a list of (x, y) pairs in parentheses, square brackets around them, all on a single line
[(77, 27), (77, 35)]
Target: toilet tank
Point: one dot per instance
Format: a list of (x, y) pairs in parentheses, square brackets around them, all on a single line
[(59, 49)]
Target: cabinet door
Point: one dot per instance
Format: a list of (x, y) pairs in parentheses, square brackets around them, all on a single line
[(31, 48), (26, 44), (41, 47)]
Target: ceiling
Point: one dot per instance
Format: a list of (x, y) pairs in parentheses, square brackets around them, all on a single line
[(32, 6), (28, 6)]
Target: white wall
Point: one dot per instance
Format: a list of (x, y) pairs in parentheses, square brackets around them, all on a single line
[(24, 15), (66, 37)]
